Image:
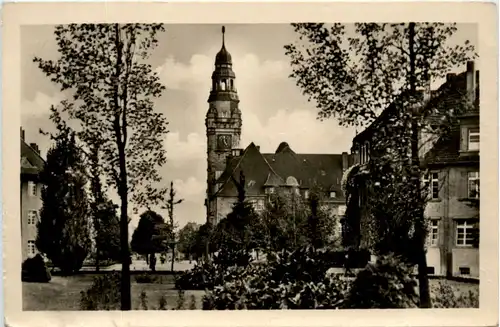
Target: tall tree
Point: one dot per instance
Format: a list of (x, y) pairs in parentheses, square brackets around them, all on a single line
[(355, 77), (187, 239), (171, 203), (151, 236), (105, 220), (104, 67), (64, 226)]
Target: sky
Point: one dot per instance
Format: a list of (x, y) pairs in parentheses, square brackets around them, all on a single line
[(273, 107)]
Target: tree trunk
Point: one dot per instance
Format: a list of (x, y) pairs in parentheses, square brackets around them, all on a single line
[(423, 281)]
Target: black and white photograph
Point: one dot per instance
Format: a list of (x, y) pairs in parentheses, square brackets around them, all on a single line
[(238, 166)]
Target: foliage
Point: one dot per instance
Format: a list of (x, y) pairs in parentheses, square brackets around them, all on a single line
[(181, 300), (446, 297), (234, 235), (200, 277), (143, 300), (112, 88), (63, 230), (372, 76), (162, 303), (104, 293), (145, 278), (106, 225), (386, 284), (192, 302), (34, 270), (151, 235), (287, 280), (187, 239)]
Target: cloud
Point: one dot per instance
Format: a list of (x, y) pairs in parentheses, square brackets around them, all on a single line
[(179, 151), (300, 129), (190, 188)]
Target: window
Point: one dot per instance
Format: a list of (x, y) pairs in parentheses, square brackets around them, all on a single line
[(473, 184), (466, 231), (464, 270), (333, 194), (31, 247), (433, 236), (430, 271), (431, 183), (270, 190), (473, 139), (32, 217), (341, 210), (306, 194), (218, 173), (259, 205), (31, 188)]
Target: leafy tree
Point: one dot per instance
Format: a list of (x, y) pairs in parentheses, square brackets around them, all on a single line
[(234, 235), (64, 229), (105, 220), (151, 236), (187, 239), (104, 67), (354, 78)]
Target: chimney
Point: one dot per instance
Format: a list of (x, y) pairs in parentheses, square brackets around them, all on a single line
[(345, 161), (471, 82), (34, 146), (22, 134)]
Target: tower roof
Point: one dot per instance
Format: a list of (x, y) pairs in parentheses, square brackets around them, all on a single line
[(223, 57)]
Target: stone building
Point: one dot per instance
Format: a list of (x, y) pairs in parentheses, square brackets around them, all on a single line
[(453, 179), (264, 172), (31, 203)]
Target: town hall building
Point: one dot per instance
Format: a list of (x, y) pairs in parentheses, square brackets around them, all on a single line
[(265, 173)]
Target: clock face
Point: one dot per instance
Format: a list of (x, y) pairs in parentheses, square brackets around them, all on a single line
[(224, 142)]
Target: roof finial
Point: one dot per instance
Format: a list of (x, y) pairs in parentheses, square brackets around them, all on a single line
[(223, 31)]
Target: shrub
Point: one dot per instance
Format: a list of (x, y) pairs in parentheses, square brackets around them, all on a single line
[(181, 300), (445, 296), (386, 284), (104, 294), (192, 303), (200, 277), (145, 278), (34, 270), (143, 298), (162, 303), (289, 280)]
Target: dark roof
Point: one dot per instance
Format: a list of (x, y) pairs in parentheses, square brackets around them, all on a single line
[(273, 169), (447, 151), (223, 57), (31, 161)]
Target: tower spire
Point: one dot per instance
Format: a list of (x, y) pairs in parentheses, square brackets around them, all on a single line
[(223, 31)]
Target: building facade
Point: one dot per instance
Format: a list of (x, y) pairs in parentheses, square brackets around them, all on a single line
[(31, 203), (452, 163), (265, 173)]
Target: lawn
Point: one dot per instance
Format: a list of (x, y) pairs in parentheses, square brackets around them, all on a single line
[(63, 293)]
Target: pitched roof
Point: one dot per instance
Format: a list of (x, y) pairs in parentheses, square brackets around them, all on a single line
[(273, 169), (31, 161)]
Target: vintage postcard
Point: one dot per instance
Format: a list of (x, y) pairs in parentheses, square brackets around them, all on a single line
[(187, 164)]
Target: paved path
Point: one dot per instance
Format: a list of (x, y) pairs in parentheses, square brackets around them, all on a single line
[(141, 265)]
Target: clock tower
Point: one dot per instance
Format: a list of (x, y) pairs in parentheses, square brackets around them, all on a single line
[(223, 123)]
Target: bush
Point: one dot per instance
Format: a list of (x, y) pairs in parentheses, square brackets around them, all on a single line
[(145, 278), (104, 294), (200, 277), (34, 270), (386, 284), (289, 280), (446, 297)]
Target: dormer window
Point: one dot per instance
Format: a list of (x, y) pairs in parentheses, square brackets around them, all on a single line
[(270, 190), (473, 139), (333, 194)]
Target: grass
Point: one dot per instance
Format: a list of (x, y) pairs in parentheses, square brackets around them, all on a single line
[(63, 293)]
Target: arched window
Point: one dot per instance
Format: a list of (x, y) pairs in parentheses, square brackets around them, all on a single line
[(223, 85), (232, 85)]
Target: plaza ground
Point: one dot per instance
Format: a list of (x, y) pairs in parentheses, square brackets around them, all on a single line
[(63, 293)]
